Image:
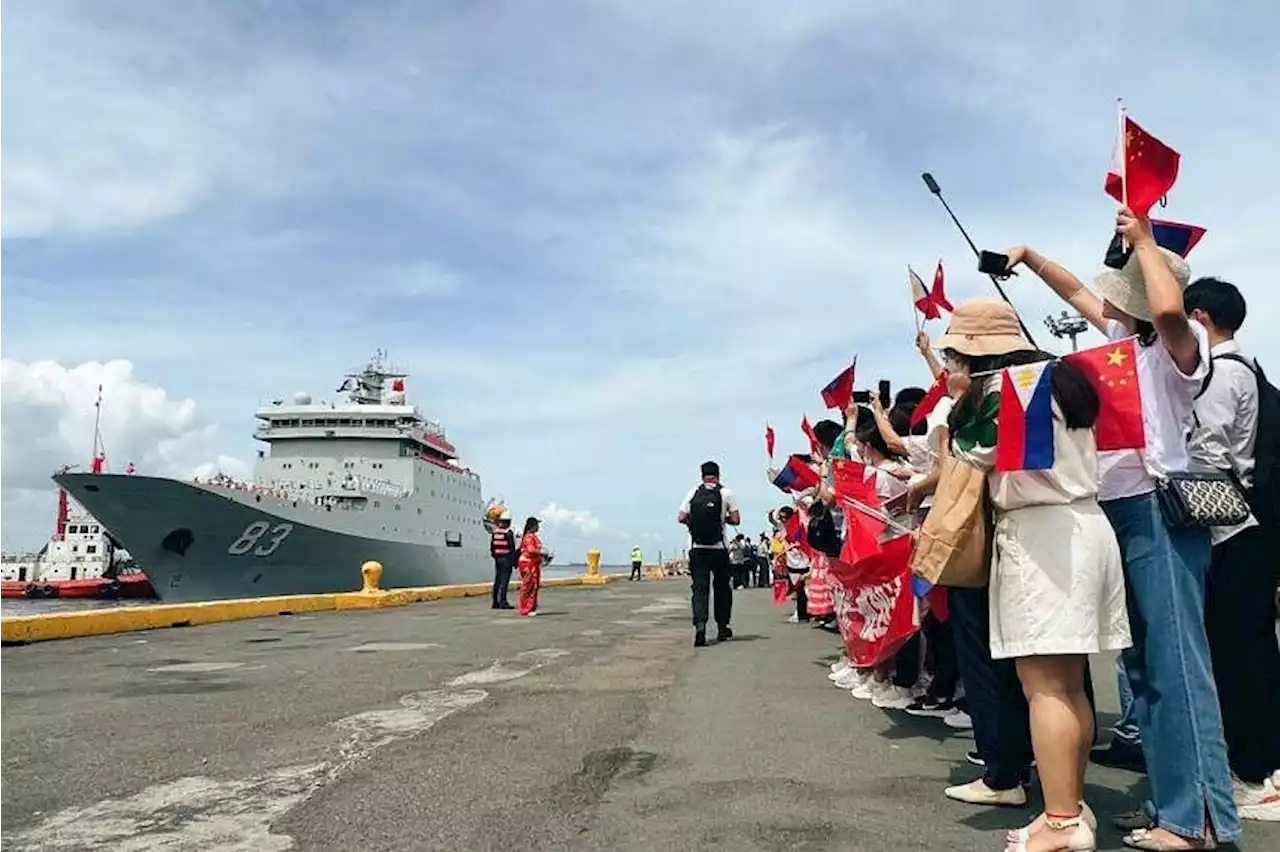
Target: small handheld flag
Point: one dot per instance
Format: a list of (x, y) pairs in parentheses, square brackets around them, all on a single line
[(839, 391), (938, 294), (795, 476), (1175, 236), (920, 296), (768, 439), (814, 445), (1112, 370), (930, 400), (1024, 433), (1143, 169)]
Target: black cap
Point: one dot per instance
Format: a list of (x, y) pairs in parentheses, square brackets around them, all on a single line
[(710, 468)]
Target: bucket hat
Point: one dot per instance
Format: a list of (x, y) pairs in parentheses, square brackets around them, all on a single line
[(1126, 289), (984, 327)]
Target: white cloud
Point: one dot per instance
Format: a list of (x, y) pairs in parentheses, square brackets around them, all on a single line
[(581, 520), (48, 417)]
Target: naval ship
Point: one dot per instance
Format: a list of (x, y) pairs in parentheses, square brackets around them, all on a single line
[(340, 484)]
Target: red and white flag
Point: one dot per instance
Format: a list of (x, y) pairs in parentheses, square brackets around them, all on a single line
[(938, 294), (920, 296)]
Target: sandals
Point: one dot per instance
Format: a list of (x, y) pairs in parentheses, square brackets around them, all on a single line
[(1022, 835), (1143, 838), (1076, 831)]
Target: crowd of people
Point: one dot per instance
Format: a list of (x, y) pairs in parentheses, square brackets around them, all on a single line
[(1086, 551)]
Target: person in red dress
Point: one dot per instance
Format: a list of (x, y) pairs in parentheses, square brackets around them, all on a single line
[(532, 558)]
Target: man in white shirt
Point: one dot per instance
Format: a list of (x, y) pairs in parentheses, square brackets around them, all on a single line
[(1240, 605), (706, 511)]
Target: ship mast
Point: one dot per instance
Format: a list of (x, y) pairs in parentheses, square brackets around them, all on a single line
[(99, 449)]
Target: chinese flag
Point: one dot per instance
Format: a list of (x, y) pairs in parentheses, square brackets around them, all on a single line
[(1113, 371), (1142, 164), (768, 439), (930, 400), (939, 295), (814, 446), (849, 479)]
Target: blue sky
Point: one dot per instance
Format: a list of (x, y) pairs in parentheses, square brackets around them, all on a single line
[(608, 240)]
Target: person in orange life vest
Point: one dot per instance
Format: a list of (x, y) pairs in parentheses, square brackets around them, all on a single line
[(502, 547), (532, 557)]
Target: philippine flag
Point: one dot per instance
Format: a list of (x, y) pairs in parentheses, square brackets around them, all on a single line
[(1024, 425), (795, 476)]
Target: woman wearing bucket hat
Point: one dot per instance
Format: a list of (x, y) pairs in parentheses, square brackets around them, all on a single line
[(1169, 668), (1056, 592)]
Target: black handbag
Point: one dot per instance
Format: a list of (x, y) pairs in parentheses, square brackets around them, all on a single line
[(1191, 500)]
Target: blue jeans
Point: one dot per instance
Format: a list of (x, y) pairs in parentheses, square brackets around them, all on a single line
[(1126, 730), (1175, 700)]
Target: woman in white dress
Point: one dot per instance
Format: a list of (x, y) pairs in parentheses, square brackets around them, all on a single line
[(1057, 586)]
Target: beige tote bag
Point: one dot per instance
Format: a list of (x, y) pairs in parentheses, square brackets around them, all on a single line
[(954, 545)]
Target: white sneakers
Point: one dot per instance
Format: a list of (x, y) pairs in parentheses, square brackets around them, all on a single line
[(958, 719), (890, 697), (1258, 801)]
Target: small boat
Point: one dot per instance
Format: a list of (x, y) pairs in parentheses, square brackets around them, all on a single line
[(133, 584)]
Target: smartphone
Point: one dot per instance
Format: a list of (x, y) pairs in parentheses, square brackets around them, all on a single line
[(862, 397), (1117, 253), (993, 263), (886, 394)]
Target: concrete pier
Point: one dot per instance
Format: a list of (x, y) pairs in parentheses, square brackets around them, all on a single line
[(447, 725)]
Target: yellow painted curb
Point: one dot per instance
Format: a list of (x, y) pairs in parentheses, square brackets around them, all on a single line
[(19, 629)]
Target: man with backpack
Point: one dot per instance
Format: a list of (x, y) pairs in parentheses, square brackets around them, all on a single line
[(706, 512), (1237, 429)]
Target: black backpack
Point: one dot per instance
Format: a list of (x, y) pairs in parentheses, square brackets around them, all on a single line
[(1264, 496), (706, 515)]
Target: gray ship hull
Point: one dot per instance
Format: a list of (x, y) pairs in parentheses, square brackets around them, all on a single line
[(198, 542)]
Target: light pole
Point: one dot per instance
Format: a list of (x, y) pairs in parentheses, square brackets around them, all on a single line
[(1067, 326)]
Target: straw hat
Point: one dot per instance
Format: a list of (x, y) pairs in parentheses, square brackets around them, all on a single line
[(984, 327), (1127, 290)]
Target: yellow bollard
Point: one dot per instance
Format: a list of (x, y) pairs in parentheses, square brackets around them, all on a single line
[(593, 576), (372, 573)]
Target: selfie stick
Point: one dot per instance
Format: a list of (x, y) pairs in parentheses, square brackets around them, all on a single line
[(937, 190)]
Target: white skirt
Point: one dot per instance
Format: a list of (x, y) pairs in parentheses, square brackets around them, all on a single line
[(1057, 585)]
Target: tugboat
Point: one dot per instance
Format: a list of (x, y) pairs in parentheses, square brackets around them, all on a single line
[(80, 559)]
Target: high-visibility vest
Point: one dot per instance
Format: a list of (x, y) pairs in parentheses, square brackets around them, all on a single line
[(500, 544), (636, 555)]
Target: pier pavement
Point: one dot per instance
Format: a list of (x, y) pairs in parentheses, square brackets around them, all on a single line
[(450, 726)]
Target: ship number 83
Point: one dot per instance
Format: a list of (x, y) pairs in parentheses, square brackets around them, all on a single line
[(261, 538)]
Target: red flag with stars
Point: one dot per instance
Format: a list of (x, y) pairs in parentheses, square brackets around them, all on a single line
[(1143, 169), (1113, 371), (814, 445)]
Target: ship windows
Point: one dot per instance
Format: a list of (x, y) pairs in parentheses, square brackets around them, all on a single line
[(73, 529), (91, 548)]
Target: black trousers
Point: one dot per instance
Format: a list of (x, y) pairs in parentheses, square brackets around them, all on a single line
[(802, 596), (993, 693), (635, 571), (763, 572), (502, 578), (941, 648), (710, 569), (1240, 620)]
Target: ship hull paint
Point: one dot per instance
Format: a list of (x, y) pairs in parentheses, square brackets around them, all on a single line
[(317, 555)]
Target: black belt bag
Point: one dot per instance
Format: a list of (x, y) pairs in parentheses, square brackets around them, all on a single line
[(1191, 500)]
